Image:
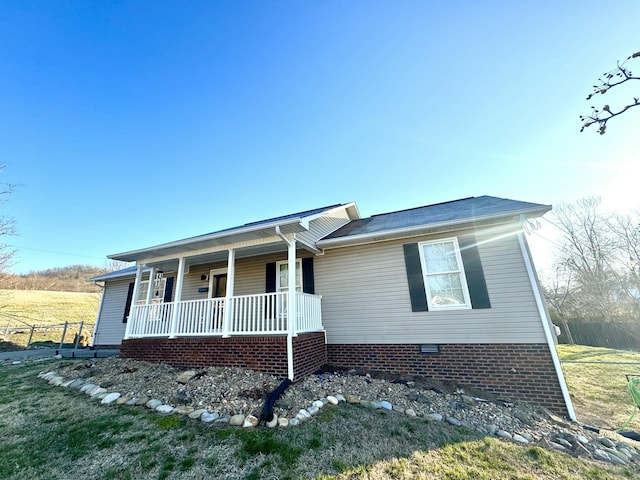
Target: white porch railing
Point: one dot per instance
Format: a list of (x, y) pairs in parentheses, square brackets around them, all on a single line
[(261, 314)]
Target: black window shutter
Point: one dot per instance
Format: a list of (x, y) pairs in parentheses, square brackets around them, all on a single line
[(127, 305), (168, 289), (473, 271), (270, 281), (308, 284), (414, 277)]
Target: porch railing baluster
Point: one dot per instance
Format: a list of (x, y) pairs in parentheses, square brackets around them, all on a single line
[(260, 314)]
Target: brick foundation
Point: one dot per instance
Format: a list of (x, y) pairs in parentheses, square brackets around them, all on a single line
[(266, 354), (523, 371)]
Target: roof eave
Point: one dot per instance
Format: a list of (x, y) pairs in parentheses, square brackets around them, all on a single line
[(432, 228), (135, 255)]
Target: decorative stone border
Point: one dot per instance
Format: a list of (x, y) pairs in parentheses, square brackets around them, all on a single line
[(608, 447)]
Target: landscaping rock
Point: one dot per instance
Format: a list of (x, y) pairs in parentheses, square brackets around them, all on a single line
[(607, 442), (236, 420), (196, 414), (250, 421), (283, 422), (110, 398), (153, 403), (273, 422), (165, 409), (223, 392), (208, 417), (184, 377), (454, 421), (184, 409), (520, 439)]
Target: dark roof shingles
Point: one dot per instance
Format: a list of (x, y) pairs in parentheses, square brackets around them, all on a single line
[(456, 210)]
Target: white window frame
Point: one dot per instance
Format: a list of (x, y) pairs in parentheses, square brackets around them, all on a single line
[(142, 293), (285, 288), (461, 273), (212, 274)]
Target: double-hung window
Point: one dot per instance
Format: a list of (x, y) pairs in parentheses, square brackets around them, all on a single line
[(159, 286), (444, 278), (282, 276)]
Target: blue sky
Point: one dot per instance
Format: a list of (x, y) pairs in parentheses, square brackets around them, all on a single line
[(131, 123)]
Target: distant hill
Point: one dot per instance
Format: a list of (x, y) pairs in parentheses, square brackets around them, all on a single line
[(60, 279)]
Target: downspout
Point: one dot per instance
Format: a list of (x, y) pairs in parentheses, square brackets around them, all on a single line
[(544, 317), (95, 327), (289, 322)]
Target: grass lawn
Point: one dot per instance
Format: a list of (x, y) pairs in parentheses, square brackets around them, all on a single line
[(52, 432), (37, 307), (599, 390)]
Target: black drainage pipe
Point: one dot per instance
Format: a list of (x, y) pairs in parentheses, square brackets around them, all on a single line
[(267, 408)]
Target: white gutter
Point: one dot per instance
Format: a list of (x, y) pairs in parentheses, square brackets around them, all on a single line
[(544, 318), (290, 246), (417, 229)]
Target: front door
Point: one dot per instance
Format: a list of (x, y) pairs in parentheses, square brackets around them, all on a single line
[(217, 289)]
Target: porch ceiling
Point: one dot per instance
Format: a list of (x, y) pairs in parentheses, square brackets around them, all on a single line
[(222, 239), (221, 256)]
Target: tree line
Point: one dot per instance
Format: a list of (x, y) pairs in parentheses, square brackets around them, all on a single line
[(64, 279), (596, 268)]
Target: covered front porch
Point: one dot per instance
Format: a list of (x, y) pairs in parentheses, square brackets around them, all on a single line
[(260, 314), (225, 285)]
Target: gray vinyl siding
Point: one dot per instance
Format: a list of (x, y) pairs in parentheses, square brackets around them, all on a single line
[(366, 298), (250, 274), (110, 329), (322, 226)]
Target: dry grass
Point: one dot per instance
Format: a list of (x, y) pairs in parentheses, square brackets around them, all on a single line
[(599, 390), (22, 308)]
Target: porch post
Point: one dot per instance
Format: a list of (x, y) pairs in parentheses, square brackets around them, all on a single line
[(134, 300), (292, 304), (228, 300), (178, 296), (152, 272)]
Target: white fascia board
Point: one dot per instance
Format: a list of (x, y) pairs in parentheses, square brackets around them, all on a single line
[(105, 277), (351, 209), (204, 238), (427, 228)]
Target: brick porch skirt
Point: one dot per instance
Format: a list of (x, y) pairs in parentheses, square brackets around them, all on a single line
[(266, 354), (523, 371)]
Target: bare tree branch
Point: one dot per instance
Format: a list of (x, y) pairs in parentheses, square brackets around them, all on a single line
[(612, 79), (7, 227)]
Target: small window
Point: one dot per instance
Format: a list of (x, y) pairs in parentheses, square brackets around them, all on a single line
[(444, 279), (159, 286), (282, 276)]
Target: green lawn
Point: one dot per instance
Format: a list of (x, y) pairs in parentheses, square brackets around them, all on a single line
[(52, 432)]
